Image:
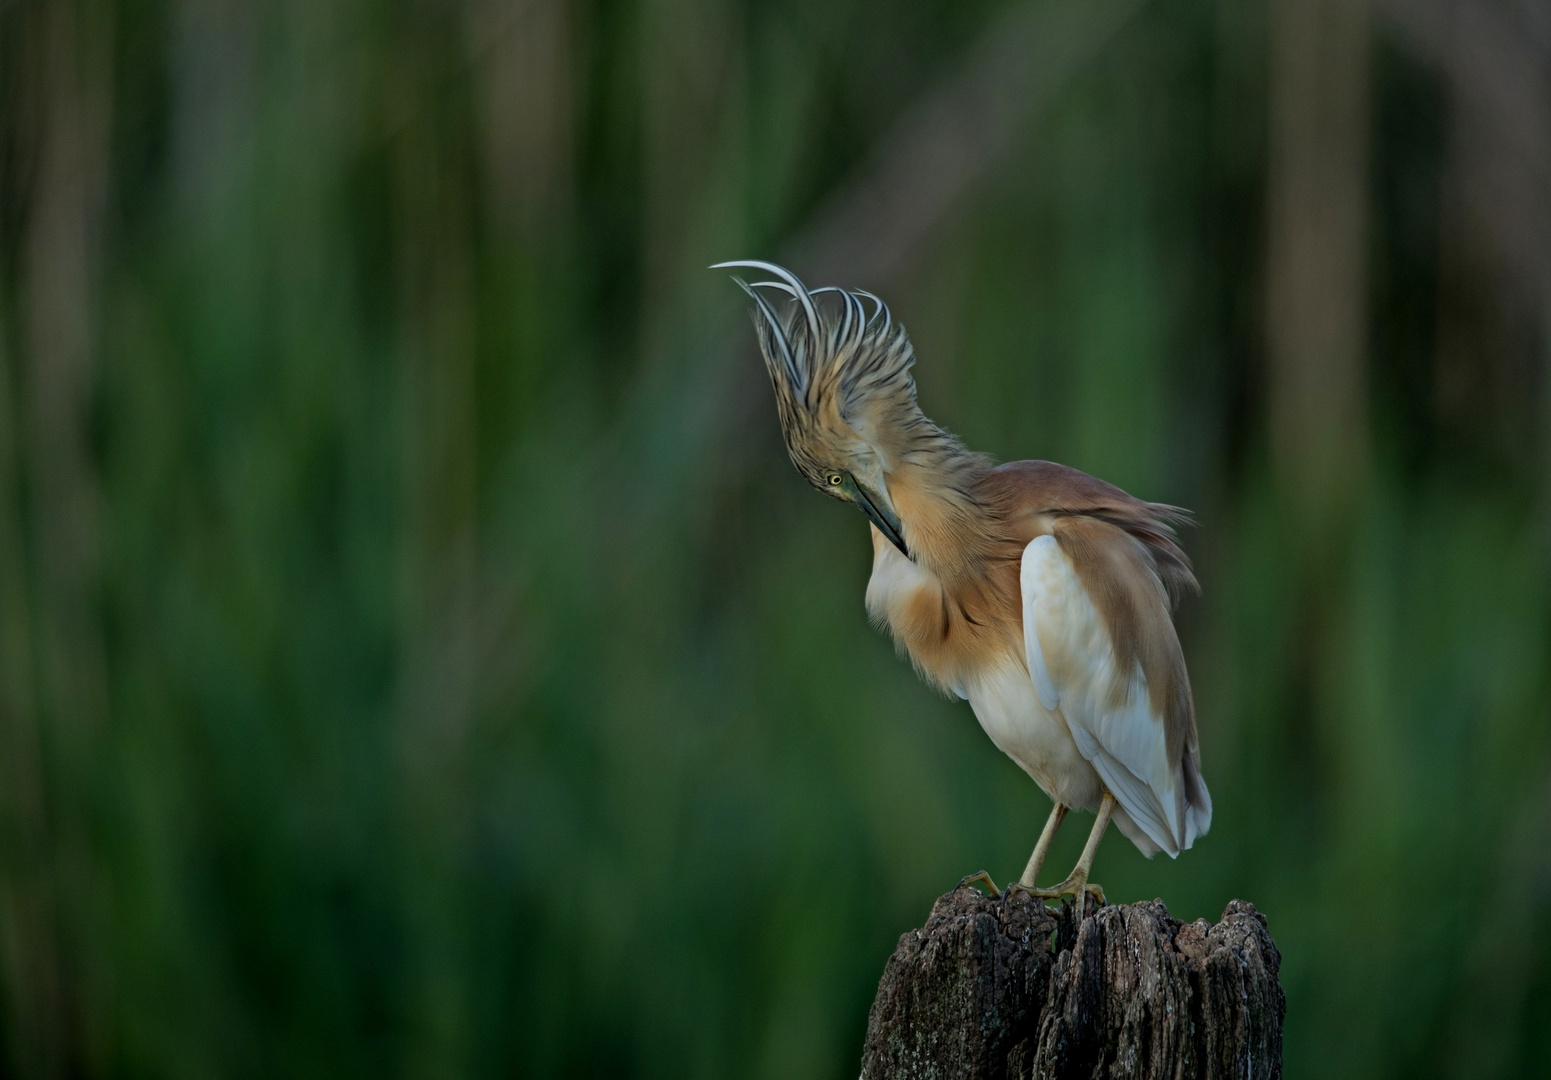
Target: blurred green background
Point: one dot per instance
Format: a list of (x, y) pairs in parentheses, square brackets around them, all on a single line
[(418, 658)]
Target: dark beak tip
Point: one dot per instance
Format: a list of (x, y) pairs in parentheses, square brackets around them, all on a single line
[(889, 528)]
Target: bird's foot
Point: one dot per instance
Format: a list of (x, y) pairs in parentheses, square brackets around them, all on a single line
[(982, 878), (1078, 887)]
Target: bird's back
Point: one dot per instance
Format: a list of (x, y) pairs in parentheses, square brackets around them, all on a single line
[(1030, 496)]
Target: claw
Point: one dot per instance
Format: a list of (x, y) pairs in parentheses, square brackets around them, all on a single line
[(1069, 887), (982, 878)]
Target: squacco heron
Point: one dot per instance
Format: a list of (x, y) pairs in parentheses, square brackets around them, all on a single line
[(1036, 592)]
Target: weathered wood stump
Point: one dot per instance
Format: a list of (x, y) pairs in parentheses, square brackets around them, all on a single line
[(1004, 988)]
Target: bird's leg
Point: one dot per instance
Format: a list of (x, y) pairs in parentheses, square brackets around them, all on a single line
[(1079, 878), (1041, 849), (1076, 885)]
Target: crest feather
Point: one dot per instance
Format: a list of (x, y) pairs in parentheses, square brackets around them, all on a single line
[(840, 350)]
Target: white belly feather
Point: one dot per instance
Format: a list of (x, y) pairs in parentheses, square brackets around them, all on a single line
[(1037, 739)]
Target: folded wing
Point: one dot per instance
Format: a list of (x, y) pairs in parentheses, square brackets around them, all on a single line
[(1102, 652)]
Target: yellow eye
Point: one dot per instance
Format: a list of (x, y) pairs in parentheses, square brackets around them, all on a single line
[(834, 479)]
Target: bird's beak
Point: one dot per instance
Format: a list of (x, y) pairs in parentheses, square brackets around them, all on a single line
[(882, 515)]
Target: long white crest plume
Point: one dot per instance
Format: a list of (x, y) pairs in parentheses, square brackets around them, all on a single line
[(802, 345), (797, 357), (795, 287)]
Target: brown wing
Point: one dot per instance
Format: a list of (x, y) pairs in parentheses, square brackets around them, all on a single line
[(1123, 552), (1025, 491)]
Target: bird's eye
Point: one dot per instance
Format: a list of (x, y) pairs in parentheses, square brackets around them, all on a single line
[(834, 479)]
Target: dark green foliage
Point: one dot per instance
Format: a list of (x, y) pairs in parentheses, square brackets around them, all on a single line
[(418, 658)]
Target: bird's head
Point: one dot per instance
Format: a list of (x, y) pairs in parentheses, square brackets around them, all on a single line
[(843, 388)]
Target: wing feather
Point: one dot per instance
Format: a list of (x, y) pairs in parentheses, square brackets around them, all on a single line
[(1044, 689), (1117, 726)]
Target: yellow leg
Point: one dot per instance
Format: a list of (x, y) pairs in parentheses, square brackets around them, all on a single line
[(1076, 885), (1041, 849)]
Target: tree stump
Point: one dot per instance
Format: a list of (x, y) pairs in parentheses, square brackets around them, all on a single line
[(1006, 988)]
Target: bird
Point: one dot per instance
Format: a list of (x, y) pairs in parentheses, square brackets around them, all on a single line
[(1041, 595)]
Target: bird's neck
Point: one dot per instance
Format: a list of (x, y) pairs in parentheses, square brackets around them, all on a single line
[(947, 527)]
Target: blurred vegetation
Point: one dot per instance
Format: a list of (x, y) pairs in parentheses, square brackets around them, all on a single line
[(417, 657)]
